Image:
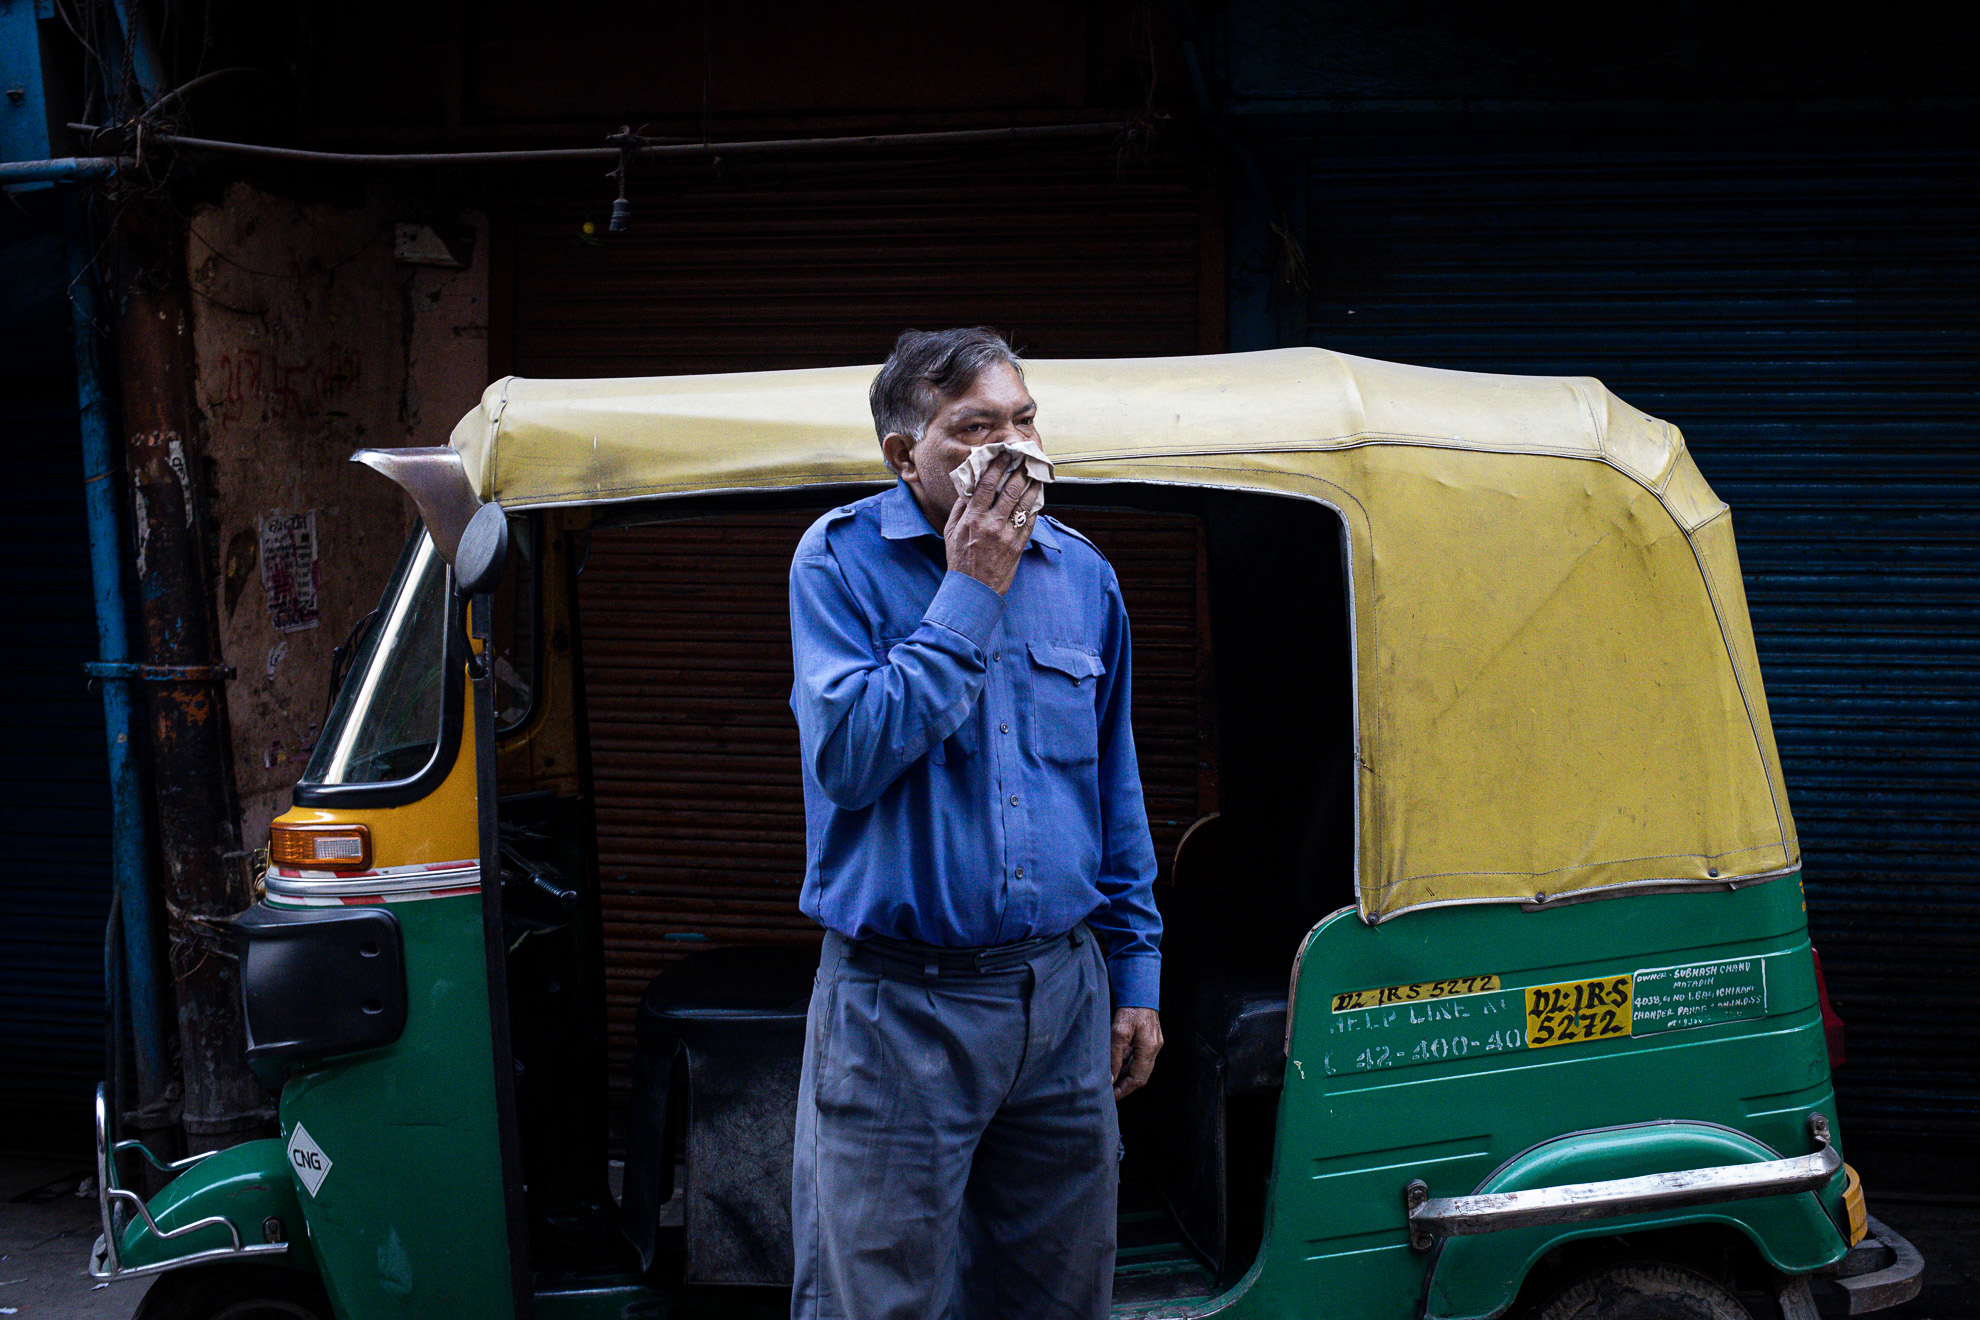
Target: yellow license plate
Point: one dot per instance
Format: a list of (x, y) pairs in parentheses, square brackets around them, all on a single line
[(1408, 994), (1575, 1011)]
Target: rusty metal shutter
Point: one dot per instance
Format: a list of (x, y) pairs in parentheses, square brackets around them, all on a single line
[(1073, 253), (1812, 322), (687, 663)]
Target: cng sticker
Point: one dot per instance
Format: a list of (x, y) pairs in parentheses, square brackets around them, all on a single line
[(312, 1166)]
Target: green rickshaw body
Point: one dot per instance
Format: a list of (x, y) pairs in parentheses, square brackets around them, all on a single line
[(1575, 1003), (1441, 1089), (387, 1180), (1455, 1078), (407, 1208)]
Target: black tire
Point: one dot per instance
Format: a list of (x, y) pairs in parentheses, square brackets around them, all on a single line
[(1642, 1290), (235, 1292)]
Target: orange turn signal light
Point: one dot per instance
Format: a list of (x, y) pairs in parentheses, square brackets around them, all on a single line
[(320, 847)]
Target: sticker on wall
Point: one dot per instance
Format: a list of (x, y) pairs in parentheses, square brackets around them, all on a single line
[(312, 1166), (290, 574)]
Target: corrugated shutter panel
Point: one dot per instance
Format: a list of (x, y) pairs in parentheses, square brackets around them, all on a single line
[(1073, 252), (1813, 324), (817, 264), (694, 752), (54, 890)]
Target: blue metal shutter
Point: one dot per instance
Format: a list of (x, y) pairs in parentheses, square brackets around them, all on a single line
[(1812, 322), (54, 788)]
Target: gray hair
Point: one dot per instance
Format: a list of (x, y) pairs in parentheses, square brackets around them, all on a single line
[(927, 367)]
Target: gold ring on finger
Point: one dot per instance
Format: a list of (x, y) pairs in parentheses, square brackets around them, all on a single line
[(1019, 518)]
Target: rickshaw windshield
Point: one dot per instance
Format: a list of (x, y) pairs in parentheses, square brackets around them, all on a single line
[(387, 719)]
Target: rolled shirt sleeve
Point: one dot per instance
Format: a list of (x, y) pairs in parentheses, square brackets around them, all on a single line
[(862, 721)]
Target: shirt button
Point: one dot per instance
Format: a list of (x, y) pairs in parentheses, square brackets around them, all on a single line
[(1003, 728), (996, 655), (1019, 873), (1014, 799)]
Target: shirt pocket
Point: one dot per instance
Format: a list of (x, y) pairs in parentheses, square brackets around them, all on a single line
[(1065, 722)]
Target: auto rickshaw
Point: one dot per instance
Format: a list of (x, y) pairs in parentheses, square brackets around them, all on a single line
[(1487, 981)]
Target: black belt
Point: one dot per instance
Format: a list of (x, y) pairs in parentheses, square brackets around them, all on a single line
[(935, 960)]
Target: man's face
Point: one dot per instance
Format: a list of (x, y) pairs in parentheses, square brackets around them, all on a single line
[(996, 407)]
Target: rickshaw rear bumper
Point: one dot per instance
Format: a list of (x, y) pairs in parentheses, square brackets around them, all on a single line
[(1883, 1270)]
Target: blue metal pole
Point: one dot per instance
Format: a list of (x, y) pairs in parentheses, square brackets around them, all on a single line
[(108, 576), (62, 169)]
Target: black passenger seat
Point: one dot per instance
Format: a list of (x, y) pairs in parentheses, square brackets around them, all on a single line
[(1219, 981), (715, 1078), (1241, 1016)]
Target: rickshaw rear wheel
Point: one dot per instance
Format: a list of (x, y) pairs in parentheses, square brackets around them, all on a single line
[(1642, 1290), (235, 1292)]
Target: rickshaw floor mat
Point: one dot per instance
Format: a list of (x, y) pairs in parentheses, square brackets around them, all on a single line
[(1152, 1262)]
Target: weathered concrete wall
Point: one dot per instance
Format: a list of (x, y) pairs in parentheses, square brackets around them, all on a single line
[(313, 342)]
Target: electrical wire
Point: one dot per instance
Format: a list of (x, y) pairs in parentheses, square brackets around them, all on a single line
[(609, 155)]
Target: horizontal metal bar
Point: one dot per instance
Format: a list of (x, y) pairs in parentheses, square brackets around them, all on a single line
[(129, 669), (1572, 1203), (365, 886), (104, 1269), (62, 169)]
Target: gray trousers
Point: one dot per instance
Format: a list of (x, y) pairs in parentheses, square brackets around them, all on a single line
[(957, 1147)]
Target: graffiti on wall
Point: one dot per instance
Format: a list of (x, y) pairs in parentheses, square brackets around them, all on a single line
[(252, 384)]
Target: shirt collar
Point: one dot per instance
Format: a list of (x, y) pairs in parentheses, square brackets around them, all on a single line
[(901, 519)]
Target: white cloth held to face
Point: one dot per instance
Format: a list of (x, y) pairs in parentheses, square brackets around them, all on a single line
[(1036, 466)]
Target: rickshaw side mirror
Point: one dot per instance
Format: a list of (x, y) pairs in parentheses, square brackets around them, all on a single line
[(483, 551)]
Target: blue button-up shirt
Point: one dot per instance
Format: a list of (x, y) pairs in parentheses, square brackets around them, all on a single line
[(969, 769)]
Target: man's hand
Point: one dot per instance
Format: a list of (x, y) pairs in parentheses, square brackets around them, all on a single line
[(1137, 1040), (981, 538)]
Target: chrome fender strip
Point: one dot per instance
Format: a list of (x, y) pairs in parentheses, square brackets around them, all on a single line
[(1573, 1203), (386, 885)]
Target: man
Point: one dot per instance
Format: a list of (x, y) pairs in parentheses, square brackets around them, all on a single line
[(978, 852)]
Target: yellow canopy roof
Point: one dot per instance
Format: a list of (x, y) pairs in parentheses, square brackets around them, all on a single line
[(1556, 686)]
